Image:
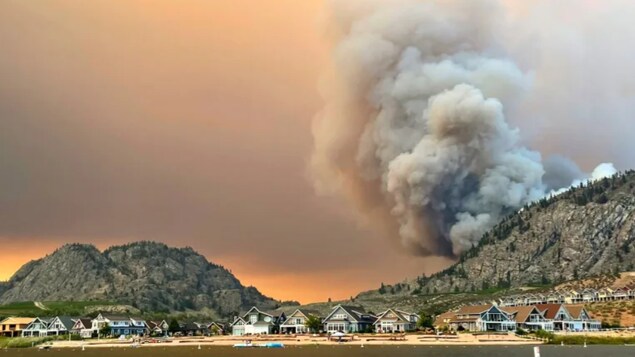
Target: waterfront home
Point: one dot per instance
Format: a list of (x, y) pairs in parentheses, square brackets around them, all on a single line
[(194, 329), (158, 328), (120, 325), (393, 320), (348, 319), (216, 328), (256, 322), (529, 318), (37, 328), (443, 320), (238, 326), (83, 327), (568, 317), (581, 320), (60, 325), (296, 321), (482, 318), (13, 326)]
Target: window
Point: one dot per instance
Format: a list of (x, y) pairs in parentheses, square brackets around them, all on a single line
[(253, 318), (299, 321), (340, 316)]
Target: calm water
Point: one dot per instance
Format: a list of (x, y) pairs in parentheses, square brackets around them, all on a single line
[(342, 351)]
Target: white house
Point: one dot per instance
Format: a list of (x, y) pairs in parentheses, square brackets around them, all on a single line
[(296, 322), (37, 328), (256, 322), (83, 328)]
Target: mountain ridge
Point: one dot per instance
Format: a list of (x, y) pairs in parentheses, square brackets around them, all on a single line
[(150, 276)]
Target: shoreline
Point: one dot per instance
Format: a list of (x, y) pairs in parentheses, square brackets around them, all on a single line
[(310, 341)]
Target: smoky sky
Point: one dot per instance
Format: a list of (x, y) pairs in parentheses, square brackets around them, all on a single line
[(190, 123)]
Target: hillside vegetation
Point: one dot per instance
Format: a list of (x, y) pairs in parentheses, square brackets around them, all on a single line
[(149, 276)]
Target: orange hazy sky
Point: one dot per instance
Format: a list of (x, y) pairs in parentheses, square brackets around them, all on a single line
[(189, 122), (183, 122)]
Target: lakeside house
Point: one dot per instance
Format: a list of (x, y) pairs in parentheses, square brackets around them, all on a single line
[(256, 322), (393, 320), (13, 326), (348, 319), (158, 328), (120, 325), (60, 325), (482, 318), (548, 317), (296, 322), (83, 327), (216, 328), (528, 318), (37, 328)]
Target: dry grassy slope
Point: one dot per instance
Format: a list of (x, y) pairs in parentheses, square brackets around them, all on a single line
[(617, 313)]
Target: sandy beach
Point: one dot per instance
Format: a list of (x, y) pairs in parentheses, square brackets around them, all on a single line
[(304, 340)]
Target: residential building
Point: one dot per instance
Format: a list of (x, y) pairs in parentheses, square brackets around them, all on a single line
[(121, 325), (296, 321), (37, 328), (348, 319), (393, 320), (60, 325), (529, 318), (83, 327), (568, 317), (482, 318), (13, 326), (256, 322)]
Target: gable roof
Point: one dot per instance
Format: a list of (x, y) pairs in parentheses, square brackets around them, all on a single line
[(17, 321), (304, 312), (473, 309), (66, 321), (401, 315), (521, 313), (575, 310), (440, 319), (257, 310), (356, 313), (237, 320), (83, 323), (549, 311), (115, 317)]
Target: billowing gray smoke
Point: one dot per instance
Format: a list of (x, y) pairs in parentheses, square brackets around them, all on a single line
[(414, 125)]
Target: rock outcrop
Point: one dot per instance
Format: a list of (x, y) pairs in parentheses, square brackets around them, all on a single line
[(147, 275)]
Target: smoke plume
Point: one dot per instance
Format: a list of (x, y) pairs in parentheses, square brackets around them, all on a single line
[(414, 129)]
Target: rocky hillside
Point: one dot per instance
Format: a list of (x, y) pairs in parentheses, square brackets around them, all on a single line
[(588, 231), (150, 276)]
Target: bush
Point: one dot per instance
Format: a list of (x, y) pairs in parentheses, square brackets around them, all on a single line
[(545, 334), (521, 332)]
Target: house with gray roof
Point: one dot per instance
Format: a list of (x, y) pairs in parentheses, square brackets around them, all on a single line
[(257, 322), (348, 319), (393, 320), (296, 321), (37, 328)]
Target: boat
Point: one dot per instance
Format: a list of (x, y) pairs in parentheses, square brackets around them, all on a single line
[(244, 345), (273, 345)]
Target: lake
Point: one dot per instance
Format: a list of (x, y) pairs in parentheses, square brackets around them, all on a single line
[(340, 351)]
